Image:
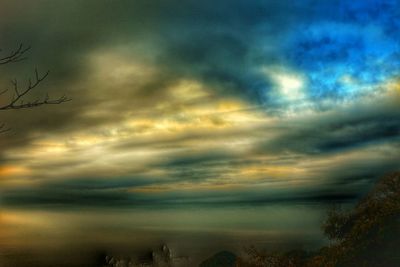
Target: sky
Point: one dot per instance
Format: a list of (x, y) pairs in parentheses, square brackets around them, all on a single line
[(200, 102)]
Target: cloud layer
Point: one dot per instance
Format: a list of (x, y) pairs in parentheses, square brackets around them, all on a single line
[(201, 102)]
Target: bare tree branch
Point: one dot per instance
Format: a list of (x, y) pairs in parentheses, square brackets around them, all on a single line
[(18, 102), (3, 128), (15, 56)]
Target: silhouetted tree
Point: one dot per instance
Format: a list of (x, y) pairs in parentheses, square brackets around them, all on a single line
[(368, 235), (17, 94)]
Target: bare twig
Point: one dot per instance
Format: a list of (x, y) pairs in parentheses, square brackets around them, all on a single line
[(15, 56), (3, 128), (18, 102)]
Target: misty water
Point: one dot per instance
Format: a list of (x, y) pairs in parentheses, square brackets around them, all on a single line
[(77, 237)]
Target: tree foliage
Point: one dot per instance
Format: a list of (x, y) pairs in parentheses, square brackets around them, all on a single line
[(368, 235)]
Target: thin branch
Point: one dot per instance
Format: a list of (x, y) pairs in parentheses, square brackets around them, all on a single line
[(3, 128), (4, 91), (17, 101), (15, 56)]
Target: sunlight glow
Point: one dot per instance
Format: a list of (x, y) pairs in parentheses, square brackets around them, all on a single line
[(289, 85)]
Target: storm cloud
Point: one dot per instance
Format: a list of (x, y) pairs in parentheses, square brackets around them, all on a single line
[(201, 102)]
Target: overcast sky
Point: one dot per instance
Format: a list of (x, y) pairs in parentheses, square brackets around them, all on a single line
[(201, 101)]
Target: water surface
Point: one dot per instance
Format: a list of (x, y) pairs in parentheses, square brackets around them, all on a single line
[(78, 237)]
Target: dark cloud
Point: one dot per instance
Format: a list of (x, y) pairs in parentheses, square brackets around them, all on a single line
[(340, 132), (109, 191), (64, 196), (224, 47)]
